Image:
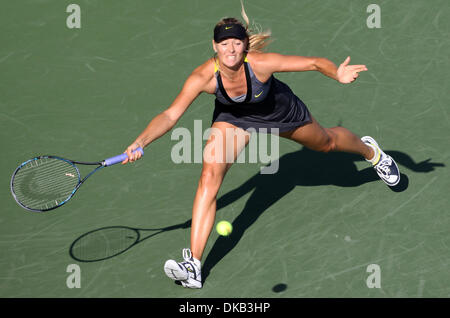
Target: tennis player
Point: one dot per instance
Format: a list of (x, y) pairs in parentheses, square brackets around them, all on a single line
[(248, 95)]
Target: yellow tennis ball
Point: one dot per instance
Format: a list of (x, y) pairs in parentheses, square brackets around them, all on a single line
[(224, 228)]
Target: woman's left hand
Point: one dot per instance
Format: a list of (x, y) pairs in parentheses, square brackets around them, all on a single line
[(348, 73)]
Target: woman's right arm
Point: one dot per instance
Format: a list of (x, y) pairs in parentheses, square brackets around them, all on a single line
[(195, 84)]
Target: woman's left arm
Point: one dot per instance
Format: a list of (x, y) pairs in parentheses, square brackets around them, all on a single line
[(344, 73), (274, 62)]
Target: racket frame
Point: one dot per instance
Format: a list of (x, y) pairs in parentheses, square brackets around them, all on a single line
[(101, 164), (71, 162)]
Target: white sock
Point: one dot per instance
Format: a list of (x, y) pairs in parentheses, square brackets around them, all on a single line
[(376, 155), (197, 263)]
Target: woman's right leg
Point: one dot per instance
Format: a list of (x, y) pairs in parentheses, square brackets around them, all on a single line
[(221, 150)]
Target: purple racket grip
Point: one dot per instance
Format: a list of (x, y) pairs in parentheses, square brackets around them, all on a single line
[(116, 159)]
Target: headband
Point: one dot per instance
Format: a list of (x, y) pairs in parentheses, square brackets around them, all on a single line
[(230, 30)]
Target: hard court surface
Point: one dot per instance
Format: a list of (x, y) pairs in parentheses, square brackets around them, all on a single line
[(310, 230)]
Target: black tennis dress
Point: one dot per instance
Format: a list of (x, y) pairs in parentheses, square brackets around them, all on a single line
[(266, 105)]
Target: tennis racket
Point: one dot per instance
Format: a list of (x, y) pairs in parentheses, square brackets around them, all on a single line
[(111, 241), (47, 182)]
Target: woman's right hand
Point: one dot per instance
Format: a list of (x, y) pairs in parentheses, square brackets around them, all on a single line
[(133, 156)]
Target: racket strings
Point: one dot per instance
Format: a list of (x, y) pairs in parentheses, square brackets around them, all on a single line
[(45, 182)]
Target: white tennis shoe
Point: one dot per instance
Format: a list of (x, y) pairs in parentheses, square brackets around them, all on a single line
[(187, 272), (383, 164)]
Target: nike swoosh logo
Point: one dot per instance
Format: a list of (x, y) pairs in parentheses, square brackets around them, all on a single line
[(227, 28), (256, 96)]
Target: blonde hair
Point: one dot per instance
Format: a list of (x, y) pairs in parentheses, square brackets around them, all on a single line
[(257, 39)]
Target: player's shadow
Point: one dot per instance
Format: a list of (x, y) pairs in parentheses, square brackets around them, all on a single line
[(301, 168)]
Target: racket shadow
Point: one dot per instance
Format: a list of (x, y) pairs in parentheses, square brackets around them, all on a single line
[(111, 241)]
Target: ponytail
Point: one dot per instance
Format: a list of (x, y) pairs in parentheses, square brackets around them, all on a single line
[(258, 39)]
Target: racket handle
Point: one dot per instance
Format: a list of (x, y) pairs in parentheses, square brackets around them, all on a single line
[(119, 158)]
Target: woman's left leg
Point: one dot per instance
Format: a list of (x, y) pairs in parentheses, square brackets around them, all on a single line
[(315, 137)]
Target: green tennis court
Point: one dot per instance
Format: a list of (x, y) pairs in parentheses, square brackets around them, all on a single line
[(311, 230)]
